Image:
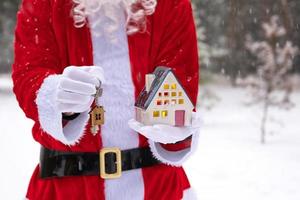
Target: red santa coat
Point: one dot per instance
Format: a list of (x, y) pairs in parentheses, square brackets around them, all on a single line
[(46, 42)]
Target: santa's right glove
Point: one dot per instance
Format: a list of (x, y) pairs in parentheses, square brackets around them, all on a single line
[(70, 92), (169, 144)]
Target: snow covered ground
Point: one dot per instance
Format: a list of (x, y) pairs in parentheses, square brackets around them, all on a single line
[(230, 163)]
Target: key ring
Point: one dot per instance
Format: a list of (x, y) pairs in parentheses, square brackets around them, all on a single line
[(98, 90)]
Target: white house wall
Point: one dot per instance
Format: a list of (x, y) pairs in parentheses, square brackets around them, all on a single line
[(187, 106), (146, 118)]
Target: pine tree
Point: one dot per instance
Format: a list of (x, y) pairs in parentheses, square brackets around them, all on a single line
[(275, 60)]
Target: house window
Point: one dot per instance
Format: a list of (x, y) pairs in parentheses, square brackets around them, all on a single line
[(155, 113), (180, 94), (173, 101), (181, 101), (166, 94), (98, 116), (160, 94), (173, 86), (174, 94), (159, 102), (164, 113), (166, 86), (166, 102)]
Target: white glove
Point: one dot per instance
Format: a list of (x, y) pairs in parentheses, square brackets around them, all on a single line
[(76, 88), (167, 134)]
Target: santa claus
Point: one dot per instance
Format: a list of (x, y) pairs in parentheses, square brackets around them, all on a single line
[(64, 51)]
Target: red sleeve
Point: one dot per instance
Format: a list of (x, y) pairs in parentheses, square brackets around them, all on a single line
[(35, 53), (177, 49)]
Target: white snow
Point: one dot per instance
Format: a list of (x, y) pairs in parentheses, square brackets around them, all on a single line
[(5, 82), (230, 163)]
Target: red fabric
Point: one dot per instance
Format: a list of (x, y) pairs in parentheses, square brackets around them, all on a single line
[(178, 145), (46, 42)]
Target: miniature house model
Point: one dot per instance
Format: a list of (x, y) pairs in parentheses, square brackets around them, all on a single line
[(163, 100), (97, 115)]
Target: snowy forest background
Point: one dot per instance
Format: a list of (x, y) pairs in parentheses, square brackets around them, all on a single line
[(249, 100)]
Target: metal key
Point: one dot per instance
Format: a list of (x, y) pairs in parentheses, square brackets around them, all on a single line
[(97, 113)]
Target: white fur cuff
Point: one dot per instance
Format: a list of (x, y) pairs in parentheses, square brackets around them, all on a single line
[(174, 158), (50, 117)]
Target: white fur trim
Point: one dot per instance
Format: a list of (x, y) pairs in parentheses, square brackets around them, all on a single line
[(174, 158), (189, 194), (50, 117), (162, 133), (118, 101)]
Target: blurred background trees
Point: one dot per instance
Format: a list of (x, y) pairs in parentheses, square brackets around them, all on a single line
[(266, 63), (8, 9), (228, 22), (276, 58)]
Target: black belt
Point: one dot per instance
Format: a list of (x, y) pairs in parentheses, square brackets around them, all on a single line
[(108, 163)]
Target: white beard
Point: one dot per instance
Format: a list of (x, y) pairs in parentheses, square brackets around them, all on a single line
[(111, 10), (100, 9)]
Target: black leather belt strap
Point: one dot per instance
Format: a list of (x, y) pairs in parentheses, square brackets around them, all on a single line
[(59, 164)]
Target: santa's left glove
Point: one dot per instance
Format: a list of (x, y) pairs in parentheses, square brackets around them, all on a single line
[(70, 92), (171, 145)]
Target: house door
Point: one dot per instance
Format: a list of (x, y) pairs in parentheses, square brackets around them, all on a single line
[(179, 117)]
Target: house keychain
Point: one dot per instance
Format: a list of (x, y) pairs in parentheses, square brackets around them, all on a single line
[(97, 112)]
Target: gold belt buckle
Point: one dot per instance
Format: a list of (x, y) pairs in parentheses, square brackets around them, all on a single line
[(118, 163)]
